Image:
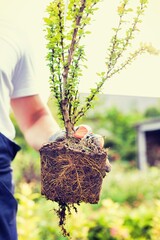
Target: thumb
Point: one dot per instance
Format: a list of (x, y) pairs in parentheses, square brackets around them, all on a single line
[(81, 131)]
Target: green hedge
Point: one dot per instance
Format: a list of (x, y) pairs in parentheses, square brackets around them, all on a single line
[(37, 220), (131, 186)]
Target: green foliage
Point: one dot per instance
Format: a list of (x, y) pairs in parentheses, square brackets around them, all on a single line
[(135, 187), (19, 136), (116, 222), (135, 216), (65, 31), (123, 133), (123, 35), (36, 218), (27, 219), (152, 112), (118, 129), (28, 169), (130, 200), (65, 28)]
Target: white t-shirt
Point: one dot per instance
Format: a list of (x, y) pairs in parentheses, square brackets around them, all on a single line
[(17, 76)]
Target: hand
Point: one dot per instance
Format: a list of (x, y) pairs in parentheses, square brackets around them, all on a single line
[(58, 136), (83, 132), (91, 138)]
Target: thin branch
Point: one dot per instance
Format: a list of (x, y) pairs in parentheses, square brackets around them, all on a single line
[(83, 26), (65, 102), (85, 108), (128, 38), (115, 38), (72, 46), (74, 98), (61, 29)]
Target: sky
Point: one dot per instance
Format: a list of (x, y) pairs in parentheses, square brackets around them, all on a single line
[(139, 79)]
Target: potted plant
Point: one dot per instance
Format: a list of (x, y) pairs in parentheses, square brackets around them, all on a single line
[(72, 170)]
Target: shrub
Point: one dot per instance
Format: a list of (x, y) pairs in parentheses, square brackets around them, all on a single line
[(129, 209), (118, 222), (118, 129), (131, 186), (36, 218), (152, 112)]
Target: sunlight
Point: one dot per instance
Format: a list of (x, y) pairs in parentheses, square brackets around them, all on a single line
[(141, 78)]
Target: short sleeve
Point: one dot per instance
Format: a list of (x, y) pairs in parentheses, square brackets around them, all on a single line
[(24, 78)]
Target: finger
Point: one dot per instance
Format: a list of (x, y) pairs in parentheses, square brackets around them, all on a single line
[(58, 136), (91, 138), (81, 131), (99, 140), (96, 139)]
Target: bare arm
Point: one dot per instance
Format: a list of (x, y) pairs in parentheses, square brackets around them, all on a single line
[(34, 119)]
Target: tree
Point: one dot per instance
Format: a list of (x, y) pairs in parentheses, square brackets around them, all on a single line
[(65, 31), (72, 170)]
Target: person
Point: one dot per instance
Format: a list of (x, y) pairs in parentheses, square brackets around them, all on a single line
[(18, 91)]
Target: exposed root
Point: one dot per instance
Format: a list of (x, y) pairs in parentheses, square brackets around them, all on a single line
[(62, 212), (72, 173)]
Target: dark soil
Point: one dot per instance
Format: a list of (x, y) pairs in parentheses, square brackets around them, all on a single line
[(72, 172)]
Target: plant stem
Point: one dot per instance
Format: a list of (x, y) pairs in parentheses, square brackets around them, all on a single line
[(65, 102)]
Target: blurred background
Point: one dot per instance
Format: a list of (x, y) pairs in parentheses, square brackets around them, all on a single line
[(129, 206)]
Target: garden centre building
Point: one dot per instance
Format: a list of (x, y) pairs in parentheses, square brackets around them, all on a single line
[(148, 140)]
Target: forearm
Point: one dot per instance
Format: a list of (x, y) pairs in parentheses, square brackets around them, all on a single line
[(39, 133), (34, 119)]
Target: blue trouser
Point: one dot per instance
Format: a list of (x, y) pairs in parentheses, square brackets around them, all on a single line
[(8, 204)]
